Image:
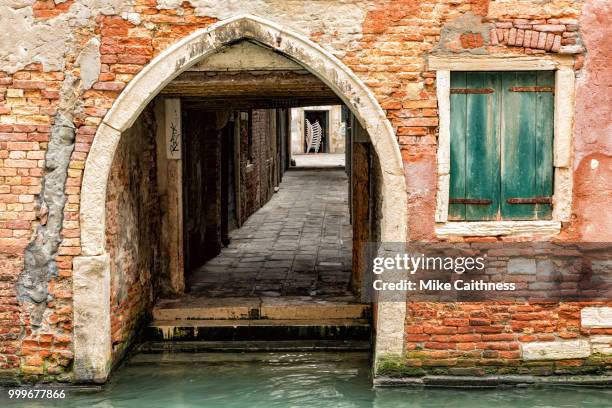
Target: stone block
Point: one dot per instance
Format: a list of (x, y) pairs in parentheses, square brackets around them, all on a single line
[(596, 317), (555, 350), (601, 344), (524, 266), (545, 267)]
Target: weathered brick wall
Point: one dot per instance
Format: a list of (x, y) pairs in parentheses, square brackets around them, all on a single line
[(264, 138), (28, 99), (385, 42), (539, 338), (133, 228), (256, 176)]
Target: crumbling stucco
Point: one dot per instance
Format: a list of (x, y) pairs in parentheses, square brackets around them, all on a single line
[(40, 254), (533, 8), (468, 23), (328, 19), (25, 39), (593, 127), (89, 63)]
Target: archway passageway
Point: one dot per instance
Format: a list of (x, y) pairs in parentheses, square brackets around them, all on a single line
[(167, 76)]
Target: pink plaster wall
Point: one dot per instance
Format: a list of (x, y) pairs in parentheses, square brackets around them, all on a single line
[(593, 128)]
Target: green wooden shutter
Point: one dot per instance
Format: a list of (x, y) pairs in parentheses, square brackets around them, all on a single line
[(527, 142), (501, 145), (475, 157)]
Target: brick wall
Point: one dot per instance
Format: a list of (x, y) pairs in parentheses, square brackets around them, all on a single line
[(538, 338), (535, 36), (133, 228), (28, 99), (256, 176)]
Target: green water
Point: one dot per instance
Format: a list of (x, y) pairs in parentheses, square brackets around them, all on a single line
[(290, 380)]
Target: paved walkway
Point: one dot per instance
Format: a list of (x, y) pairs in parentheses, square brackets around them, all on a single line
[(298, 244)]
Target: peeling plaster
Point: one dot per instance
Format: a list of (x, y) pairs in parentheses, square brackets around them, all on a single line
[(25, 40), (39, 264), (452, 30), (89, 63), (331, 19), (534, 8), (17, 4)]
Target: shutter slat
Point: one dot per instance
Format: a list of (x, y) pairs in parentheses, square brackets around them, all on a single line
[(518, 145), (544, 144), (482, 144)]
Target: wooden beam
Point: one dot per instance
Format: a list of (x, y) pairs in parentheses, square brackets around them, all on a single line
[(214, 103), (245, 84)]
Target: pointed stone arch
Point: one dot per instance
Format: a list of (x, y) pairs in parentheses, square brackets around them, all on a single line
[(92, 342)]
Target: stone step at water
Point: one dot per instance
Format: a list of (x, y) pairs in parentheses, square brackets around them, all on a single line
[(253, 346), (268, 308), (260, 329)]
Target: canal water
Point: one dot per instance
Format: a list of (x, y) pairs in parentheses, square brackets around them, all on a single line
[(271, 380)]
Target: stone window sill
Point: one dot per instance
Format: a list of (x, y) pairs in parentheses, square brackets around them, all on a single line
[(497, 228)]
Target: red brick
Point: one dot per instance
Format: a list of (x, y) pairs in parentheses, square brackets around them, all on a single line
[(27, 84), (439, 330), (498, 337), (440, 346), (417, 337), (109, 86), (480, 322)]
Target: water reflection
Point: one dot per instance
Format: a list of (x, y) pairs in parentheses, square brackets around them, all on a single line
[(271, 380)]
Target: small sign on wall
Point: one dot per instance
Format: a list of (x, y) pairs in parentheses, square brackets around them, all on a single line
[(173, 128)]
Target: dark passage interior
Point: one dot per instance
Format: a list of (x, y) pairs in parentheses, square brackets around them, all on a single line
[(267, 243)]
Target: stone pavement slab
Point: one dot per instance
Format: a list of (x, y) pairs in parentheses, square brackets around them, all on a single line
[(298, 244)]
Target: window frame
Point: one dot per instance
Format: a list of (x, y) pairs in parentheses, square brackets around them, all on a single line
[(563, 67)]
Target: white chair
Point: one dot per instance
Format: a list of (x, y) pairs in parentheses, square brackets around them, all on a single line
[(309, 132), (317, 133)]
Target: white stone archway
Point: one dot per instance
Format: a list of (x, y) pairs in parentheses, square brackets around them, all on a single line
[(91, 276)]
